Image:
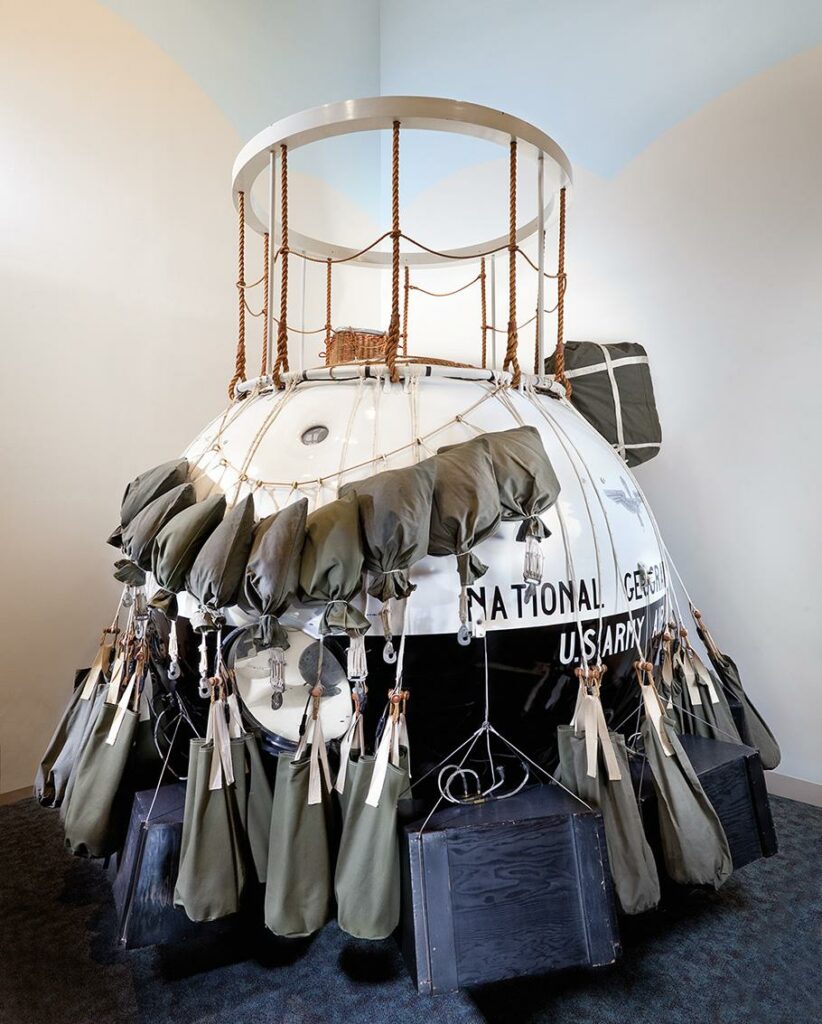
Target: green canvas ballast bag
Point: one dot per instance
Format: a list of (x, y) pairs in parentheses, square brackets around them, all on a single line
[(298, 892), (271, 579), (58, 758), (331, 572), (755, 731), (97, 812), (395, 514), (631, 860), (367, 876), (94, 705), (694, 845), (144, 488), (177, 546), (700, 705), (140, 536), (612, 389), (218, 571), (226, 819), (466, 510), (527, 486)]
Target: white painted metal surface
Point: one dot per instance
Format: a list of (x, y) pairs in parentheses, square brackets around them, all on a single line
[(255, 691), (414, 113), (372, 425)]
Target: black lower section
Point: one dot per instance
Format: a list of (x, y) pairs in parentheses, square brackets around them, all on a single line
[(531, 690)]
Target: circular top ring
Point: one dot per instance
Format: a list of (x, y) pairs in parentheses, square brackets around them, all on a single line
[(413, 112)]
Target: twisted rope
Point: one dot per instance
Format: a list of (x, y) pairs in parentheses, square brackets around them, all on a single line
[(282, 327), (445, 295), (513, 340), (266, 262), (239, 358), (328, 311), (393, 337), (483, 313), (559, 351)]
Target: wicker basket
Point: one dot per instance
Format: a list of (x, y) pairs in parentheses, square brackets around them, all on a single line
[(349, 344)]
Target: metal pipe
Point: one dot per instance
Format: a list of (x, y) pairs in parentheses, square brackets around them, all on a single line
[(272, 248), (302, 315), (541, 264), (493, 312)]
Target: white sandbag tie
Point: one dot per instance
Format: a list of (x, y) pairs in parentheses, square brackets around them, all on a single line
[(101, 662), (117, 674), (120, 713), (668, 675), (146, 696), (222, 765), (380, 765), (689, 675), (704, 677), (354, 738), (596, 736), (236, 730), (653, 705), (318, 760)]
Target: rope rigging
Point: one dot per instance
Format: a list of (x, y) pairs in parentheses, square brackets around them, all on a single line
[(395, 344)]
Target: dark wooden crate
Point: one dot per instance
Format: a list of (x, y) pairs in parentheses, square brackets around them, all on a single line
[(506, 889), (146, 872), (733, 780)]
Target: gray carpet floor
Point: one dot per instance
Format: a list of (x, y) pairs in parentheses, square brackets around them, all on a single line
[(749, 954)]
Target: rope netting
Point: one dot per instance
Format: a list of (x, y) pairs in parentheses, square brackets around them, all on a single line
[(394, 343)]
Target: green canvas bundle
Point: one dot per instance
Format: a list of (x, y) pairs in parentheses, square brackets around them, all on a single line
[(225, 828), (332, 563), (140, 535), (272, 572), (466, 510), (216, 576), (145, 488), (177, 546), (631, 860), (466, 507), (694, 845), (612, 389), (367, 876), (298, 893), (755, 731), (97, 811), (331, 572), (527, 486), (395, 513)]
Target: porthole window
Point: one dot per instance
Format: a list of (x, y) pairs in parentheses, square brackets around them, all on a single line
[(314, 435)]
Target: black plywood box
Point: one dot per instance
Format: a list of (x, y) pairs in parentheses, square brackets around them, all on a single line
[(505, 889), (734, 782), (147, 871)]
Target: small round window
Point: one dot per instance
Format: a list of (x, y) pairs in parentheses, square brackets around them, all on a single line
[(314, 435)]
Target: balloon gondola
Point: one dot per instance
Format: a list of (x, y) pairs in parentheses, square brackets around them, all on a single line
[(408, 592)]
